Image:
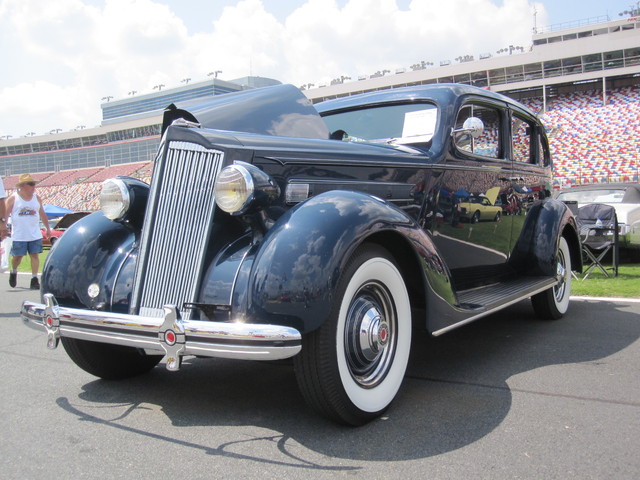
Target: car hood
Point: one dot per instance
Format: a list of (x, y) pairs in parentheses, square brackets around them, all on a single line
[(280, 110), (492, 194)]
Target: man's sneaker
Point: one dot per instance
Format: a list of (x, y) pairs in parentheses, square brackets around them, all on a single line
[(13, 276), (35, 285)]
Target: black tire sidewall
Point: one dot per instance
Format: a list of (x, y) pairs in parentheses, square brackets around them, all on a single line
[(334, 392)]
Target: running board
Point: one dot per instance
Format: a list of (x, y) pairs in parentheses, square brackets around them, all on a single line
[(483, 301)]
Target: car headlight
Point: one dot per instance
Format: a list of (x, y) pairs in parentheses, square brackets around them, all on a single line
[(234, 188), (114, 199), (243, 187)]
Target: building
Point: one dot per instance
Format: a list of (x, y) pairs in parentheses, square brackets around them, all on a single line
[(603, 54), (152, 104)]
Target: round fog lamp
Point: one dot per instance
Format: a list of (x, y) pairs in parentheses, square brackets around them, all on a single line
[(234, 189), (114, 199)]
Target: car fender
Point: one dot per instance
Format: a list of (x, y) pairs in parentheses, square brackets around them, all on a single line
[(292, 277), (93, 251), (536, 247)]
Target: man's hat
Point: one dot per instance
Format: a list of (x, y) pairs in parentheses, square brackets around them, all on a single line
[(25, 178)]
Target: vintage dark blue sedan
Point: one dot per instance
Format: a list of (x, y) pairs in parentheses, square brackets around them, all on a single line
[(273, 228)]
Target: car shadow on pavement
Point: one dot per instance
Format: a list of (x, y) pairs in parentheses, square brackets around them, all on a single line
[(456, 390)]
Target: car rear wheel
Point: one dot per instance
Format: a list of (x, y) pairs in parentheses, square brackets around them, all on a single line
[(110, 362), (552, 304), (351, 368)]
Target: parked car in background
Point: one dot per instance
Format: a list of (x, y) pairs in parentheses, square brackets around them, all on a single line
[(480, 207), (60, 227), (274, 228), (624, 197)]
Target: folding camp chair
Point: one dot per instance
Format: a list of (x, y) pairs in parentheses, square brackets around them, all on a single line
[(598, 226)]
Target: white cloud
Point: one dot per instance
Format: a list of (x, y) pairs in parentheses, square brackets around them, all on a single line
[(62, 57)]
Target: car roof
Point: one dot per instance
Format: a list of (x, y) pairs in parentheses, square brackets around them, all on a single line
[(442, 93)]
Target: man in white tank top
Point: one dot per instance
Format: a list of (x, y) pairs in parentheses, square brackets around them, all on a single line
[(3, 218), (26, 209), (3, 213)]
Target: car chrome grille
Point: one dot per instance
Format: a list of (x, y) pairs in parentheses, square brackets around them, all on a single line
[(176, 228)]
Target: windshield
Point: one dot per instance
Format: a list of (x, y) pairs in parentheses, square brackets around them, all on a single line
[(408, 123), (613, 195)]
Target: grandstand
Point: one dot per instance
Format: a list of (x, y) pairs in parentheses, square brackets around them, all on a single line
[(592, 141), (79, 189), (583, 80)]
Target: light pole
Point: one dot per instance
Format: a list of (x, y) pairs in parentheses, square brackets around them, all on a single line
[(634, 12), (215, 73), (107, 98), (421, 66), (133, 92), (511, 49), (339, 81), (185, 81), (158, 87)]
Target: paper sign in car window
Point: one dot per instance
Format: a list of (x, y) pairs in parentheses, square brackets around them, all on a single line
[(420, 123)]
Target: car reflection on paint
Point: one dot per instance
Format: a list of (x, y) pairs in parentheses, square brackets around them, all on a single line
[(61, 225), (476, 208)]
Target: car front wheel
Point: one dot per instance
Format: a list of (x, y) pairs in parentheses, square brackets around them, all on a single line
[(110, 362), (351, 368)]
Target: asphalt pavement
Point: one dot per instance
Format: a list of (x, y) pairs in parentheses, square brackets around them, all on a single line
[(507, 397)]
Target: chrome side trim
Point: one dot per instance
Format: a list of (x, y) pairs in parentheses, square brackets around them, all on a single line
[(170, 335)]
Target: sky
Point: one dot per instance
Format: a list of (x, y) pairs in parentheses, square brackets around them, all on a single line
[(59, 59)]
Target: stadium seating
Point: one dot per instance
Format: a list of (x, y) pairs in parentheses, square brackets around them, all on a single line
[(70, 177), (126, 169), (592, 141), (10, 182)]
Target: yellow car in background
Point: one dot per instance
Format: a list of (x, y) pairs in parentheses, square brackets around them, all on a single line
[(480, 207)]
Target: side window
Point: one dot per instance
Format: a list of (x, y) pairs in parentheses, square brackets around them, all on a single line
[(521, 140), (543, 149), (488, 143)]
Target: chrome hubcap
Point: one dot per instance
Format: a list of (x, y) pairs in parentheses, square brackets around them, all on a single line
[(370, 331), (561, 274)]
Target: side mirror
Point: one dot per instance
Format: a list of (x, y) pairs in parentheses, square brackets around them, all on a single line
[(472, 125)]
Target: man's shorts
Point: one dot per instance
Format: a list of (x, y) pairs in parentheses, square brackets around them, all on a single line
[(20, 249)]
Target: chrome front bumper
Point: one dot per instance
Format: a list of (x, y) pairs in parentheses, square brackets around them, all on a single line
[(170, 335)]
